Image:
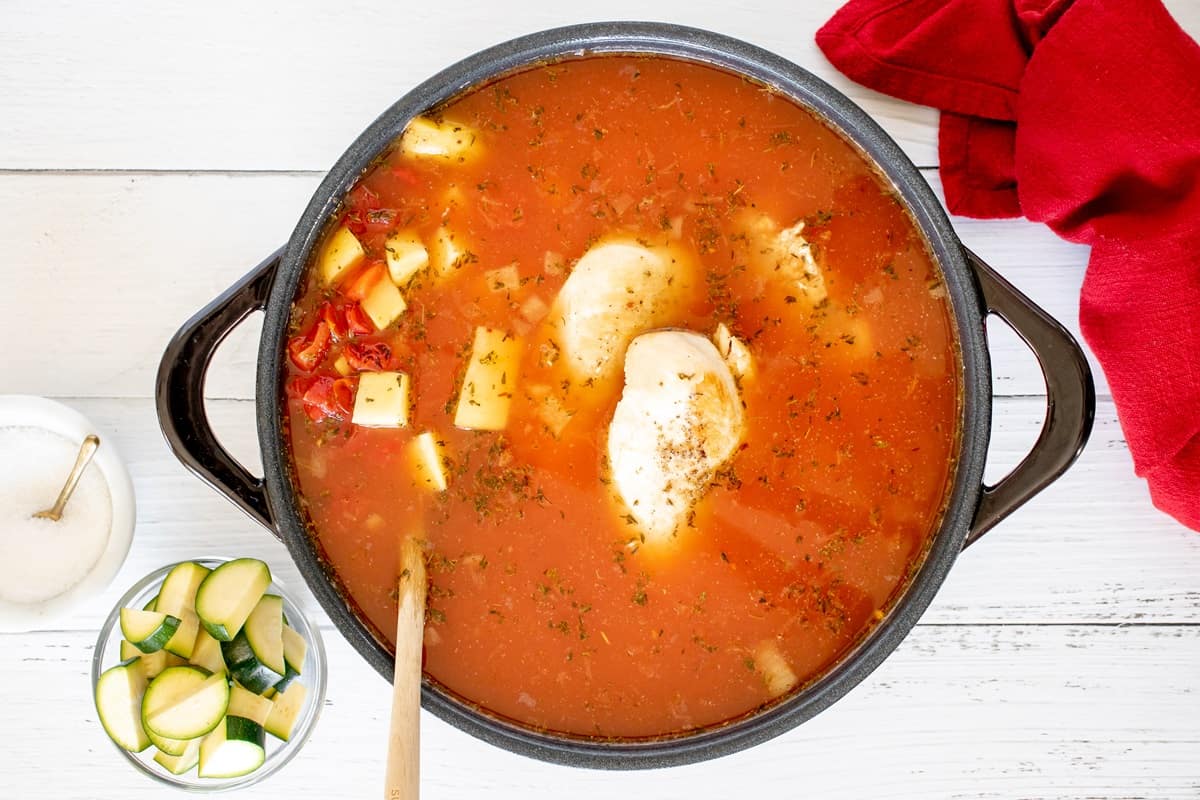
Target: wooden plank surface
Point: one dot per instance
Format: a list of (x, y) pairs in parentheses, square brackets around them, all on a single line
[(150, 153), (995, 711)]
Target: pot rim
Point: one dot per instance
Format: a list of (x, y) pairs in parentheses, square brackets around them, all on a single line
[(855, 126)]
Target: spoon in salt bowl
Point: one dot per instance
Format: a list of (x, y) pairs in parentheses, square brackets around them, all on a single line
[(86, 451)]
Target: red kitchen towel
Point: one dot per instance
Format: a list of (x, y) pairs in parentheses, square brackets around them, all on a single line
[(1085, 115)]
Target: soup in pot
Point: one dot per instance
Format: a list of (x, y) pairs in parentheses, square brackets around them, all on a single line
[(658, 368)]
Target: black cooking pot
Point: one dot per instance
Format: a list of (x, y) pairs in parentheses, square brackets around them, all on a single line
[(974, 290)]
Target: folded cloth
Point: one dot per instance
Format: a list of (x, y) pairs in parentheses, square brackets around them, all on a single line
[(1085, 115)]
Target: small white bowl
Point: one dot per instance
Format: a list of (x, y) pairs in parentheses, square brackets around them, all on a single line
[(38, 412)]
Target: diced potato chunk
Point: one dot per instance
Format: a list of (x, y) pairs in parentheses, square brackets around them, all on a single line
[(504, 279), (406, 256), (425, 138), (446, 253), (341, 253), (428, 459), (776, 673), (487, 389), (342, 365), (382, 400), (383, 303), (734, 351)]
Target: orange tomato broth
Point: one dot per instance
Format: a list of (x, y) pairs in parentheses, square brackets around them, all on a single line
[(544, 608)]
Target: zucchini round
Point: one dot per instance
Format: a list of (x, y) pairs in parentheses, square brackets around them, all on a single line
[(119, 693), (184, 703), (148, 631), (227, 596)]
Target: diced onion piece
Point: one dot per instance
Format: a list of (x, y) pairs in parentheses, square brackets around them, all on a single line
[(488, 385), (382, 400), (428, 461), (425, 138), (383, 303), (341, 253), (533, 310), (776, 673), (406, 256), (734, 351), (504, 279), (550, 409)]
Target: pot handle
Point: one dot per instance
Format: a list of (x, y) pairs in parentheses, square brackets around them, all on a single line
[(1070, 399), (179, 394)]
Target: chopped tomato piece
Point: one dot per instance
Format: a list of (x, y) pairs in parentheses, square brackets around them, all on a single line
[(364, 282), (372, 357), (355, 222), (335, 319), (357, 321), (308, 351), (329, 398)]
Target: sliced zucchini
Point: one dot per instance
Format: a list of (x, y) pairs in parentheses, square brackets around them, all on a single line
[(264, 632), (207, 653), (177, 597), (170, 747), (119, 693), (178, 592), (248, 705), (237, 746), (228, 595), (295, 650), (152, 663), (245, 666), (185, 702), (148, 631), (184, 641), (288, 705), (177, 765)]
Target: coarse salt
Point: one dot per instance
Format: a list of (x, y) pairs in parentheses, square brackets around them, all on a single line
[(41, 559)]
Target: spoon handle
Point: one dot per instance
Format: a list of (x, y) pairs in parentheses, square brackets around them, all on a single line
[(404, 742), (86, 451)]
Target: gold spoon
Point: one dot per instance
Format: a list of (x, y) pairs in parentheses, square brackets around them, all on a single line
[(86, 451)]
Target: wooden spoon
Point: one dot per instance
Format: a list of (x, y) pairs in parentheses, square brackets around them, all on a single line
[(404, 742), (86, 451)]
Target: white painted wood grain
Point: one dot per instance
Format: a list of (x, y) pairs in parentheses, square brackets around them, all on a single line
[(1088, 549), (1059, 659), (130, 257), (1000, 711), (235, 86), (285, 86)]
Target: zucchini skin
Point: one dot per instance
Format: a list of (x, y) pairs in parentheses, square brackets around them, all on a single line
[(244, 666)]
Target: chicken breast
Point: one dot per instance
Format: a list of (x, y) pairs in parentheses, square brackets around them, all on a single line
[(786, 256), (678, 420), (618, 289)]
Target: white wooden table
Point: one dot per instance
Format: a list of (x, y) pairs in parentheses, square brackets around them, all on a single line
[(150, 153)]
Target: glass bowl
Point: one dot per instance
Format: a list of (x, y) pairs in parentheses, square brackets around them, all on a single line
[(313, 675)]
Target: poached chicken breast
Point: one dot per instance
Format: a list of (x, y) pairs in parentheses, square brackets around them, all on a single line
[(678, 420)]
